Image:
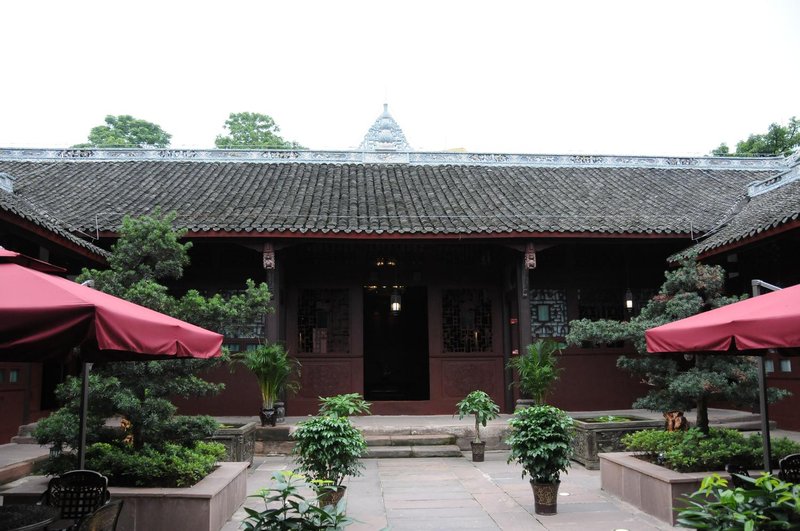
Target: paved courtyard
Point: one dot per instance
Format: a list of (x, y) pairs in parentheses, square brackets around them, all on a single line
[(454, 493)]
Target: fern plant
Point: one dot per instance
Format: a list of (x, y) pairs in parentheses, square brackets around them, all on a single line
[(537, 369), (274, 369)]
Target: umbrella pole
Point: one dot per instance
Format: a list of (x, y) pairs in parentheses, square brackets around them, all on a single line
[(84, 412), (762, 400)]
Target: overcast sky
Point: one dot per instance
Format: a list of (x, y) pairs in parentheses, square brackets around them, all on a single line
[(638, 77)]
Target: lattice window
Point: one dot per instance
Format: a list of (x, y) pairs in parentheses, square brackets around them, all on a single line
[(548, 312), (466, 320), (323, 321)]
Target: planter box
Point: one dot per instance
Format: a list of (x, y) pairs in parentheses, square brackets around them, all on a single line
[(592, 438), (206, 506), (239, 441), (651, 488)]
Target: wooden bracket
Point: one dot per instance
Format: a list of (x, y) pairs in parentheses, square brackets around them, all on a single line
[(530, 256), (268, 256)]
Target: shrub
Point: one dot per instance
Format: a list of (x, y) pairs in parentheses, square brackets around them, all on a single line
[(274, 370), (171, 466), (767, 503), (344, 405), (541, 441), (328, 448), (691, 451), (285, 508)]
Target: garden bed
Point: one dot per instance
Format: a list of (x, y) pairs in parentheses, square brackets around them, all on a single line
[(205, 506), (594, 435), (650, 488)]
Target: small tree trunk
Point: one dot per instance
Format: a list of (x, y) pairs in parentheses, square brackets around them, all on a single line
[(477, 430), (702, 414)]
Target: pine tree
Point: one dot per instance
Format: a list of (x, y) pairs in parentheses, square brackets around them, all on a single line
[(680, 381)]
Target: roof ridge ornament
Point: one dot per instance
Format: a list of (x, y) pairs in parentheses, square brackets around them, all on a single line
[(266, 156), (385, 135)]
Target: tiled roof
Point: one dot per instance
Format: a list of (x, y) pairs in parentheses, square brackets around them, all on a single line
[(373, 198), (24, 209), (767, 206)]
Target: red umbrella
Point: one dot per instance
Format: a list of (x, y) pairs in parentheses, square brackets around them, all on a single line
[(753, 327), (45, 317)]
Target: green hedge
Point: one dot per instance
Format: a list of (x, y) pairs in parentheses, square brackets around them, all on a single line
[(691, 451), (171, 466)]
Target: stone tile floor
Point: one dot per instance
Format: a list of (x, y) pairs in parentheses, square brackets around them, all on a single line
[(455, 493)]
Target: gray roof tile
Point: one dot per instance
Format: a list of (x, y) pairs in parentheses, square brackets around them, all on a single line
[(307, 197)]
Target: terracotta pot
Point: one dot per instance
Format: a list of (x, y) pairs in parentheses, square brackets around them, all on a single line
[(545, 497), (478, 449), (332, 497)]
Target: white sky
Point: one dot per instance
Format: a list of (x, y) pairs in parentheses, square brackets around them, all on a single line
[(638, 77)]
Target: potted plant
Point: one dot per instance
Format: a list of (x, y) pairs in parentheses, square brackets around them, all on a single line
[(276, 372), (328, 449), (541, 441), (537, 369), (345, 405), (481, 405)]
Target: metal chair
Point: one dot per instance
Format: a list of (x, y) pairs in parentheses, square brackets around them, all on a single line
[(790, 468), (76, 494), (103, 519), (736, 470)]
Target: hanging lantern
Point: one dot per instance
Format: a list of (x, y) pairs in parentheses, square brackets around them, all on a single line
[(628, 300), (394, 303)]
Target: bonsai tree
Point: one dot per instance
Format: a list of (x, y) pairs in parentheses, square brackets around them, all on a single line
[(148, 251), (537, 369), (328, 449), (541, 441), (678, 382), (344, 405), (481, 405), (275, 371)]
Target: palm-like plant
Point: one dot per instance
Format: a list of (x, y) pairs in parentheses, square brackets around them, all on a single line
[(274, 369), (537, 368)]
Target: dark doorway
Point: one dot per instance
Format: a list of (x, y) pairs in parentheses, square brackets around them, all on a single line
[(396, 346)]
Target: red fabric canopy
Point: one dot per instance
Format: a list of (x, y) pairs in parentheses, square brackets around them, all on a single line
[(768, 321), (43, 316)]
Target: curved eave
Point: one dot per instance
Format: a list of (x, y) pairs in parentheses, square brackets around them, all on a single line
[(757, 235), (65, 243)]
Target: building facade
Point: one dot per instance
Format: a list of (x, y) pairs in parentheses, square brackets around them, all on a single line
[(413, 277)]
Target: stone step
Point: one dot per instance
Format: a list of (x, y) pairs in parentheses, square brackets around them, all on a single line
[(437, 450), (411, 440)]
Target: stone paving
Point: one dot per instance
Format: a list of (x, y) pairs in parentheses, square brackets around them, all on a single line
[(455, 493)]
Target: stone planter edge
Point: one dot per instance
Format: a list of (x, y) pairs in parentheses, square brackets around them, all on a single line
[(207, 505), (652, 489)]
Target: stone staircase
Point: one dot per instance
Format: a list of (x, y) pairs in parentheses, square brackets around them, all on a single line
[(411, 445)]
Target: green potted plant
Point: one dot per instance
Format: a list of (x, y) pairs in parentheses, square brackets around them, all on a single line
[(328, 449), (481, 405), (541, 441), (345, 405), (276, 372), (537, 369)]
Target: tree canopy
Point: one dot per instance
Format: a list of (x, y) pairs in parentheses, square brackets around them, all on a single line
[(125, 131), (680, 382), (253, 130), (778, 140)]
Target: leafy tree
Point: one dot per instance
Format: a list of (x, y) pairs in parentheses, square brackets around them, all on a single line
[(253, 130), (678, 383), (778, 140), (149, 250), (125, 131)]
